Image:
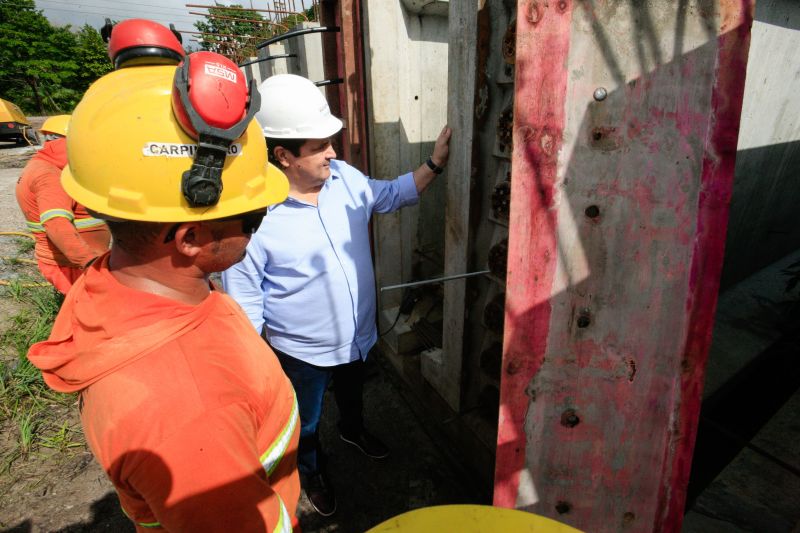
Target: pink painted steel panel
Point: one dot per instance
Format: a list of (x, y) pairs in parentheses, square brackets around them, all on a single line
[(603, 362)]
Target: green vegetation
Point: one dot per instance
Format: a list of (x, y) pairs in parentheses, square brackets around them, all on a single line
[(46, 69), (26, 403), (293, 20)]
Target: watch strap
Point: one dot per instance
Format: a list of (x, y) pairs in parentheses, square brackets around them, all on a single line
[(433, 167)]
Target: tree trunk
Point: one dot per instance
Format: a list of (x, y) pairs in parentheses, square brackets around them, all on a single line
[(32, 81)]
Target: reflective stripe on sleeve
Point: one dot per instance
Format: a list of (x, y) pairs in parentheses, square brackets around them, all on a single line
[(83, 223), (34, 227), (274, 454), (149, 525), (54, 213), (79, 223)]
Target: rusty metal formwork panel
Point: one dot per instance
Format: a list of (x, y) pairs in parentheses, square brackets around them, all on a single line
[(625, 121), (344, 59)]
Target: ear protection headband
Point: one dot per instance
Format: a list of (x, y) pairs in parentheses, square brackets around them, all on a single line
[(140, 41)]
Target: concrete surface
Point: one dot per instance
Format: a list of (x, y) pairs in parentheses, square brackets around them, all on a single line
[(763, 225), (750, 317), (11, 218), (406, 57), (751, 412)]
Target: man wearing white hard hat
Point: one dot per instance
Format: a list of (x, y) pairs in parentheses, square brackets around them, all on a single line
[(307, 281)]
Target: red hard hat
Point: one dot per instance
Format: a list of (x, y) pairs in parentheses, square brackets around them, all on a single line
[(141, 41)]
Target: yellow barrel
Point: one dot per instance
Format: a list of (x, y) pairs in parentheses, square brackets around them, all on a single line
[(470, 519)]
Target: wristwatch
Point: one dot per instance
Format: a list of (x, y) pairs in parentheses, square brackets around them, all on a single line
[(433, 167)]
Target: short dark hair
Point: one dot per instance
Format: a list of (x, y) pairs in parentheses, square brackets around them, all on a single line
[(293, 145), (135, 236)]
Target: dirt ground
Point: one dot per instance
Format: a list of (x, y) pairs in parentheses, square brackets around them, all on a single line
[(68, 492), (48, 491)]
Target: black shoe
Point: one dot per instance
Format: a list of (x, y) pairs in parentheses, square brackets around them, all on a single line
[(320, 494), (369, 445)]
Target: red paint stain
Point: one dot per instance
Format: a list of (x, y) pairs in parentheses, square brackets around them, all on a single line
[(535, 12)]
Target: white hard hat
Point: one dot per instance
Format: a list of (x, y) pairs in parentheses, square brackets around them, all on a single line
[(292, 107)]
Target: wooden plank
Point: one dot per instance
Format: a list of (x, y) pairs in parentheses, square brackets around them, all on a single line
[(540, 92), (618, 211), (445, 373)]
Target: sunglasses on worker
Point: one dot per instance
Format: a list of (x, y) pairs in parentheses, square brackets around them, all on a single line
[(250, 223)]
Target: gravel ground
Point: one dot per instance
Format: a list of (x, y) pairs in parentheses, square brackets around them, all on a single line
[(11, 218)]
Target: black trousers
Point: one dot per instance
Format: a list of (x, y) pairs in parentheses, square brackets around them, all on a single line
[(310, 383)]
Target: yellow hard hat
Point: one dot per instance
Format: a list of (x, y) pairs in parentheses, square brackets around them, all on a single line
[(57, 124), (469, 519), (128, 153)]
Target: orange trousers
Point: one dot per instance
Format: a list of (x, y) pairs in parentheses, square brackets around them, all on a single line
[(60, 277)]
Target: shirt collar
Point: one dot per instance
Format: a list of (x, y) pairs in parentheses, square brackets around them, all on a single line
[(334, 175)]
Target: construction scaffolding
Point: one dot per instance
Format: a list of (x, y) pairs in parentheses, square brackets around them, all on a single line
[(244, 28)]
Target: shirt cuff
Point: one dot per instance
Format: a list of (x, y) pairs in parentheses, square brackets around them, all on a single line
[(408, 189)]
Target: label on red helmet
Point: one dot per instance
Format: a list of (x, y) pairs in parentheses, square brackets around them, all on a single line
[(220, 71), (159, 149)]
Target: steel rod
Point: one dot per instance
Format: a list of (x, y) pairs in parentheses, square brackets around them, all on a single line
[(434, 280), (296, 33), (268, 58), (328, 82)]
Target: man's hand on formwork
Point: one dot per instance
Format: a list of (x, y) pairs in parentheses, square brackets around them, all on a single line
[(441, 150)]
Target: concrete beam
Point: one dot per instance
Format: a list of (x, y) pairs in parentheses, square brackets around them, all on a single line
[(444, 372)]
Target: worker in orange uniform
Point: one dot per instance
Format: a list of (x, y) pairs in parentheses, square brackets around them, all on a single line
[(182, 403), (67, 237)]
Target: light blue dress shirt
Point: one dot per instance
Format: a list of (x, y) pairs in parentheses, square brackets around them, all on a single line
[(308, 275)]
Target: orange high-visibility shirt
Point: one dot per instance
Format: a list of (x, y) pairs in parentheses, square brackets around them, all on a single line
[(185, 406), (66, 235)]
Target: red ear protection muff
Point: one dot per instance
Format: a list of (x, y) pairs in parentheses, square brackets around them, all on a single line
[(217, 92), (210, 101)]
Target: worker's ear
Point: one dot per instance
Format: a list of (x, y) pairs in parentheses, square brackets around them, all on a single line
[(283, 156), (190, 237)]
